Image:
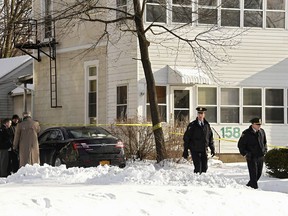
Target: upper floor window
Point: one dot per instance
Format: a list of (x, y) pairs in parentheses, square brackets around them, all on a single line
[(230, 13), (122, 8), (275, 15), (47, 19), (156, 11), (234, 13), (182, 11), (207, 11)]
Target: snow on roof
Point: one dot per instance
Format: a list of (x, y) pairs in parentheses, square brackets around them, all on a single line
[(9, 64)]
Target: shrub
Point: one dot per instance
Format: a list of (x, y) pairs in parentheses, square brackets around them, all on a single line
[(276, 161)]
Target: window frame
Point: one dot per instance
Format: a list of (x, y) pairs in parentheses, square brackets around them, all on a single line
[(118, 105), (87, 65)]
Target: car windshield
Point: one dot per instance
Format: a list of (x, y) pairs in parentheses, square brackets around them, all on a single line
[(88, 132)]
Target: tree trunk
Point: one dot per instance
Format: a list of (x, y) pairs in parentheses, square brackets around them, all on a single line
[(143, 43)]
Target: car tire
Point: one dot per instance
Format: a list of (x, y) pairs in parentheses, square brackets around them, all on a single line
[(57, 161)]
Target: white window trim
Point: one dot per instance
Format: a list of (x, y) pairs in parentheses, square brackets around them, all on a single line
[(88, 64)]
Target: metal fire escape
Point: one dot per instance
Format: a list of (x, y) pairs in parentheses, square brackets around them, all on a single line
[(28, 40)]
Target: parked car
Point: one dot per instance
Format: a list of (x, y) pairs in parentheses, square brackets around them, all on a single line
[(80, 147)]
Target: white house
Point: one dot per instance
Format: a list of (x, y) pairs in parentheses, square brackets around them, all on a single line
[(107, 82)]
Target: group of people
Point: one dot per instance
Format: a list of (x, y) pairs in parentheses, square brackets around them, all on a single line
[(18, 143), (252, 145)]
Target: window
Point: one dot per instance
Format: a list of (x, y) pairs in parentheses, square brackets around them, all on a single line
[(181, 105), (207, 12), (121, 103), (47, 19), (156, 11), (121, 6), (253, 13), (207, 96), (162, 104), (230, 13), (181, 11), (274, 106), (275, 15), (92, 94), (252, 104), (229, 110)]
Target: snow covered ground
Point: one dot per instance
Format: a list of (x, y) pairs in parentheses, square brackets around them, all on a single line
[(141, 188)]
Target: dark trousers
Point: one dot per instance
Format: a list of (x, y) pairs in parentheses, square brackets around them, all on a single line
[(255, 166), (13, 165), (4, 158), (200, 160)]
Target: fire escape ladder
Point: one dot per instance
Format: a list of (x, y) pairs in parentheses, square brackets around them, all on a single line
[(26, 39)]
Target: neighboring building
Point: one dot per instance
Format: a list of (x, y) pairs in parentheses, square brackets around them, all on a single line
[(11, 70), (107, 83)]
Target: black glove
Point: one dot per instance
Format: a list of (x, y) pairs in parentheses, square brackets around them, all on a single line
[(213, 153)]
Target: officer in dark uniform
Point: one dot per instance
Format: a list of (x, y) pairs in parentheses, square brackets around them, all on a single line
[(197, 137), (253, 145)]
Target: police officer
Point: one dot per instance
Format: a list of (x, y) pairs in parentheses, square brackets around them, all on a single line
[(253, 145), (197, 137)]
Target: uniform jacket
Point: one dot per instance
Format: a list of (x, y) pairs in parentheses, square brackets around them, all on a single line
[(198, 138), (252, 143), (6, 137), (26, 141)]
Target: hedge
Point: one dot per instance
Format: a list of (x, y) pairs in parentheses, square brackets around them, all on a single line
[(276, 161)]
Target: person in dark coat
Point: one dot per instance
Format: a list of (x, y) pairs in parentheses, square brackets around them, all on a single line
[(253, 145), (5, 145), (13, 156), (197, 138)]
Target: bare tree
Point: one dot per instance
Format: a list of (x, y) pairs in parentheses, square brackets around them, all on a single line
[(11, 11), (132, 21)]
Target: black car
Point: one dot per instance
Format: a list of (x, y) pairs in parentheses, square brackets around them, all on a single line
[(80, 147)]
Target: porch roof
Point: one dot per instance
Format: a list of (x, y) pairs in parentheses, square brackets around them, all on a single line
[(185, 75)]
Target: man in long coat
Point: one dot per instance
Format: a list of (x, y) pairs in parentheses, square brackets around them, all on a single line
[(26, 140)]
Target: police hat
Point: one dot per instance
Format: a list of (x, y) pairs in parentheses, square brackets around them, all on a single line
[(201, 109), (256, 121)]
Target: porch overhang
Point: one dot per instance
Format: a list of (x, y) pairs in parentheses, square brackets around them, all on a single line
[(185, 75)]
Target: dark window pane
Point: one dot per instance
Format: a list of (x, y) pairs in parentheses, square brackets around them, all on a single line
[(276, 4), (274, 115), (253, 18), (207, 16), (231, 4), (230, 18), (182, 2), (211, 114), (181, 99), (274, 97), (92, 110), (251, 112), (92, 97), (275, 20), (252, 97), (229, 115), (182, 14), (121, 112), (122, 95), (181, 115), (156, 13), (253, 4), (208, 2), (162, 112)]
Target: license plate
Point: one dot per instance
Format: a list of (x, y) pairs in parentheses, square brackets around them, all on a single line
[(104, 162)]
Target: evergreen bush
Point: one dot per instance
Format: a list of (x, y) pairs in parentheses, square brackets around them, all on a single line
[(276, 161)]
